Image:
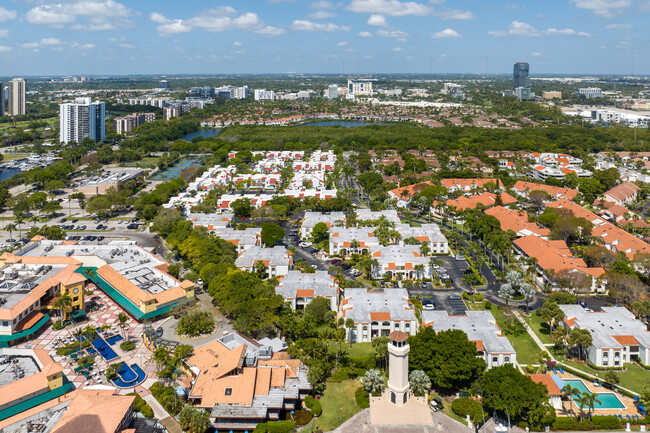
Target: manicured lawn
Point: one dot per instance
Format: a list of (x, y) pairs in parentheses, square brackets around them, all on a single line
[(447, 401), (527, 350), (147, 160), (338, 405), (539, 327), (12, 156), (635, 378), (357, 349)]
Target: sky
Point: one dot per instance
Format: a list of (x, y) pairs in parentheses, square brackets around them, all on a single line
[(96, 37)]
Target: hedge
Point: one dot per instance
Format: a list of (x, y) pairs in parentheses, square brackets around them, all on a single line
[(362, 398), (127, 346), (275, 427), (313, 405), (467, 406), (596, 423), (339, 376), (139, 405)]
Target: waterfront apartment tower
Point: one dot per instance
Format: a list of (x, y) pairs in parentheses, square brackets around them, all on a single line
[(398, 368), (2, 99), (520, 75), (82, 119), (16, 97)]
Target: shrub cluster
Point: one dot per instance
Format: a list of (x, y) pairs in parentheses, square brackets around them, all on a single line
[(362, 398), (596, 423), (275, 427), (313, 405), (467, 406), (195, 324)]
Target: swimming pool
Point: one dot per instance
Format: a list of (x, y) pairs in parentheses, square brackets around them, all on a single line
[(129, 376), (608, 400), (104, 349), (114, 339)]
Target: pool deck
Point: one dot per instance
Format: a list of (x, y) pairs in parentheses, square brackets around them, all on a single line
[(630, 408)]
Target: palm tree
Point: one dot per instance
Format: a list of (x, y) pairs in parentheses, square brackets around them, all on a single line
[(569, 392), (90, 332), (62, 303), (10, 228), (592, 399), (78, 334), (339, 337), (123, 318), (419, 268), (583, 400), (161, 358), (19, 221), (349, 324)]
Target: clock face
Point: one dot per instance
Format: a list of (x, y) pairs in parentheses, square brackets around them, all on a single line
[(75, 290)]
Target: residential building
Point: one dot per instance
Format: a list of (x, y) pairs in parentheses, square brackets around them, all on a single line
[(92, 408), (554, 386), (455, 90), (466, 185), (517, 221), (242, 239), (404, 194), (481, 328), (360, 87), (240, 92), (353, 240), (264, 95), (377, 313), (28, 378), (400, 262), (100, 184), (333, 92), (552, 95), (617, 335), (127, 123), (154, 102), (243, 382), (622, 194), (330, 219), (486, 199), (368, 215), (82, 119), (277, 260), (300, 289), (211, 221), (541, 172), (429, 234), (553, 257), (204, 92), (524, 188), (16, 97), (590, 92), (2, 99), (163, 84), (132, 276)]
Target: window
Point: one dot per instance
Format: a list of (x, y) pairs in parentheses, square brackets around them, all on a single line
[(5, 323), (75, 299), (506, 359), (605, 362), (495, 359), (228, 391)]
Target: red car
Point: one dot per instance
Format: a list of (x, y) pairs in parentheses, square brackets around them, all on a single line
[(335, 261)]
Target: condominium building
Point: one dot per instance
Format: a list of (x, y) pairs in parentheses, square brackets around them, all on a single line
[(241, 239), (552, 95), (590, 92), (331, 220), (360, 87), (264, 95), (127, 123), (240, 92), (16, 97), (277, 260), (163, 84), (400, 262), (82, 119), (204, 92), (2, 99), (300, 289)]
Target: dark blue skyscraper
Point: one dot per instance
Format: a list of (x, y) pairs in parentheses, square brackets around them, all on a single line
[(520, 75)]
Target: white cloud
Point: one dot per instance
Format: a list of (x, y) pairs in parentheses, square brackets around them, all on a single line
[(310, 26), (398, 49), (365, 34), (51, 41), (454, 14), (518, 28), (603, 8), (394, 8), (4, 49), (83, 46), (6, 15), (446, 33), (102, 14), (214, 20), (377, 20), (536, 54), (342, 44), (30, 45), (619, 26), (237, 44), (321, 5), (127, 46), (392, 33), (93, 27), (4, 33), (321, 15)]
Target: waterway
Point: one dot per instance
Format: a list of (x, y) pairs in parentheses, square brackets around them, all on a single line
[(8, 173), (343, 123), (205, 133)]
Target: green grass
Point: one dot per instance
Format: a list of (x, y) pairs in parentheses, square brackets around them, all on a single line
[(634, 378), (539, 327), (527, 350), (447, 401), (147, 160), (338, 405), (12, 156), (357, 349)]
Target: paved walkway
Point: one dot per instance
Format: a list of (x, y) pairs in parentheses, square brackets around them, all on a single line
[(165, 418), (360, 423)]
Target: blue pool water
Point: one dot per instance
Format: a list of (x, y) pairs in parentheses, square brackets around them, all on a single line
[(608, 400), (129, 376), (104, 349), (114, 339)]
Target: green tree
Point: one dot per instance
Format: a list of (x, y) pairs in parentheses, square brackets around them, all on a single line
[(242, 208), (569, 392), (271, 234), (320, 232), (317, 309), (165, 221), (419, 382), (550, 313), (580, 338), (62, 303), (122, 318), (194, 420), (373, 381)]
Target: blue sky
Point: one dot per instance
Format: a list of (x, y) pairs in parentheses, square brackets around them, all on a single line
[(40, 37)]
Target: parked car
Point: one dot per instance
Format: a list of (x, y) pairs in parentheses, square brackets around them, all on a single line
[(455, 296), (159, 331), (346, 266), (428, 304), (438, 403), (100, 238), (132, 226), (335, 261)]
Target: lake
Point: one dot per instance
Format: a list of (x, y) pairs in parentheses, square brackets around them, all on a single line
[(343, 123), (8, 173), (205, 133)]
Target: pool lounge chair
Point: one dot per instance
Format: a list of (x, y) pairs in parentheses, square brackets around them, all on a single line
[(554, 370), (561, 370), (596, 383)]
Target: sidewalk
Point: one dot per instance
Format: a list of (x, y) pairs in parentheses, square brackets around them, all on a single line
[(163, 416)]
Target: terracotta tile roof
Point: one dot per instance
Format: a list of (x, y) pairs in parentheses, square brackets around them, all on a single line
[(466, 183), (28, 321), (555, 191), (380, 316), (517, 221), (547, 380), (623, 192), (479, 345), (626, 340), (411, 190), (305, 293), (486, 199), (94, 410)]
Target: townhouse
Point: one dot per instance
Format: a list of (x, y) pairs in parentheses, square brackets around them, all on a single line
[(486, 199), (553, 384), (368, 215), (330, 219), (400, 262), (404, 194), (524, 188), (242, 239), (617, 335), (622, 194), (481, 328), (465, 185), (299, 289), (277, 260), (353, 240), (266, 181), (243, 382), (429, 234), (211, 221), (377, 313), (517, 221)]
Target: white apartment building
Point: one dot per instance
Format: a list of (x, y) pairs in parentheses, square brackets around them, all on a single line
[(353, 240), (360, 87), (299, 289), (331, 220), (377, 313), (16, 88), (277, 260), (400, 262), (429, 234), (264, 95), (591, 92), (241, 239), (82, 119), (368, 215), (240, 92), (481, 328)]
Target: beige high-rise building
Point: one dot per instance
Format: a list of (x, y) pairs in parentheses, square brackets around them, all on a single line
[(552, 95), (16, 97)]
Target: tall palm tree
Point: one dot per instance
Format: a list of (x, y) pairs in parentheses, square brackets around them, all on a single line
[(62, 303), (78, 334), (339, 337), (10, 228), (123, 318), (19, 221), (592, 399), (569, 392), (90, 332)]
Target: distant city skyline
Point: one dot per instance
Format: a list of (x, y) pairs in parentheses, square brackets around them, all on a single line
[(98, 37)]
